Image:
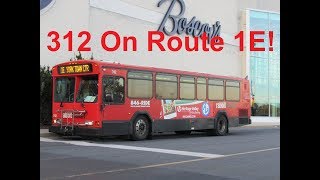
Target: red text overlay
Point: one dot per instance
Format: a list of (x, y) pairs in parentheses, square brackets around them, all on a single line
[(157, 41)]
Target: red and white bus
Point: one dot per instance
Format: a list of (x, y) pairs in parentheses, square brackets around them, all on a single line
[(96, 98)]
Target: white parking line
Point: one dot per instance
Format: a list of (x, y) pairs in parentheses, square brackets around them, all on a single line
[(204, 156), (137, 168), (56, 158), (136, 148), (250, 152), (164, 164), (156, 165)]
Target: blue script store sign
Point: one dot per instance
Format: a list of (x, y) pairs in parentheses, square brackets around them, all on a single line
[(180, 24)]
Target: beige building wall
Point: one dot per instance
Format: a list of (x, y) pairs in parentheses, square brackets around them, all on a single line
[(211, 62), (136, 18), (267, 5), (62, 16)]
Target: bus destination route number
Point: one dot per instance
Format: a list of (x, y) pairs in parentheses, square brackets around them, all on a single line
[(72, 69)]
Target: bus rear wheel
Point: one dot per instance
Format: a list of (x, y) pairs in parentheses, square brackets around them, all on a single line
[(140, 128), (221, 128)]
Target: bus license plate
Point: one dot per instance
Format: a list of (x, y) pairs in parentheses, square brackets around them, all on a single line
[(67, 115)]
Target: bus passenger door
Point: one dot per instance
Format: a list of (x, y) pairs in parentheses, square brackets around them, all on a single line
[(113, 97)]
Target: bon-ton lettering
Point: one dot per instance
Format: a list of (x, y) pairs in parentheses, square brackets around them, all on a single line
[(180, 24)]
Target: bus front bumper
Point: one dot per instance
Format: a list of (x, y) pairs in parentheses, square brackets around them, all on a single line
[(107, 129), (77, 131)]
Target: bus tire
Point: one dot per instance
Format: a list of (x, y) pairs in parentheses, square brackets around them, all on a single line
[(221, 128), (140, 128), (183, 132)]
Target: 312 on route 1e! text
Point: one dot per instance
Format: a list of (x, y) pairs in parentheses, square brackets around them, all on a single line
[(156, 39)]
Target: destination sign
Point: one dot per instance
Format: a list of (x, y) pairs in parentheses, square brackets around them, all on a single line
[(73, 69)]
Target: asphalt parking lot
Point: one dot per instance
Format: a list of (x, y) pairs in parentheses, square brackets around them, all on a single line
[(246, 153)]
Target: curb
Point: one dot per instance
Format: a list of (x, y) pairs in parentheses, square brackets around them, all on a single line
[(44, 131), (263, 124)]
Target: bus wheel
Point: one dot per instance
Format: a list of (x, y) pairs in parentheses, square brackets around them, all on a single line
[(183, 132), (221, 128), (140, 128)]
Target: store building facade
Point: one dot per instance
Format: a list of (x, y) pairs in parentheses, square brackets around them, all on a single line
[(137, 17)]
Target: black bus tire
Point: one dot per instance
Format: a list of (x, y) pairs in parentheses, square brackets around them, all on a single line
[(140, 128), (183, 132), (221, 128)]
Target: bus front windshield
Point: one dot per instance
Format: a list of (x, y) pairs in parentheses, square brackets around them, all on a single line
[(88, 91), (64, 89)]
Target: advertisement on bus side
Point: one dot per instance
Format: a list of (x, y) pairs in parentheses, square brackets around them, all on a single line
[(179, 109)]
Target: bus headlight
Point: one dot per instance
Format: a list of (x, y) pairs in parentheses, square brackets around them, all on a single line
[(89, 123), (57, 121)]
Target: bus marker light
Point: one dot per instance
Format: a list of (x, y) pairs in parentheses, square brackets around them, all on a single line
[(90, 123)]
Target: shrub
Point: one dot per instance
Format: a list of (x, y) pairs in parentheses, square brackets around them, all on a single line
[(45, 95)]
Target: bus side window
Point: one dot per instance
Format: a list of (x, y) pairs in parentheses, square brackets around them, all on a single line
[(166, 86), (232, 91), (113, 90)]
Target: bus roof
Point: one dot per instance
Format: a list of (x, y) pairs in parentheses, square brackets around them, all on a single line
[(113, 64)]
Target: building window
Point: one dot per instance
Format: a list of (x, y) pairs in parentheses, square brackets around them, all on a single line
[(265, 65), (166, 86), (216, 90), (139, 84), (232, 91), (201, 89), (187, 88)]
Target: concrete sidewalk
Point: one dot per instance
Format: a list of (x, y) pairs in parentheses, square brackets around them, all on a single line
[(264, 121), (44, 131)]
